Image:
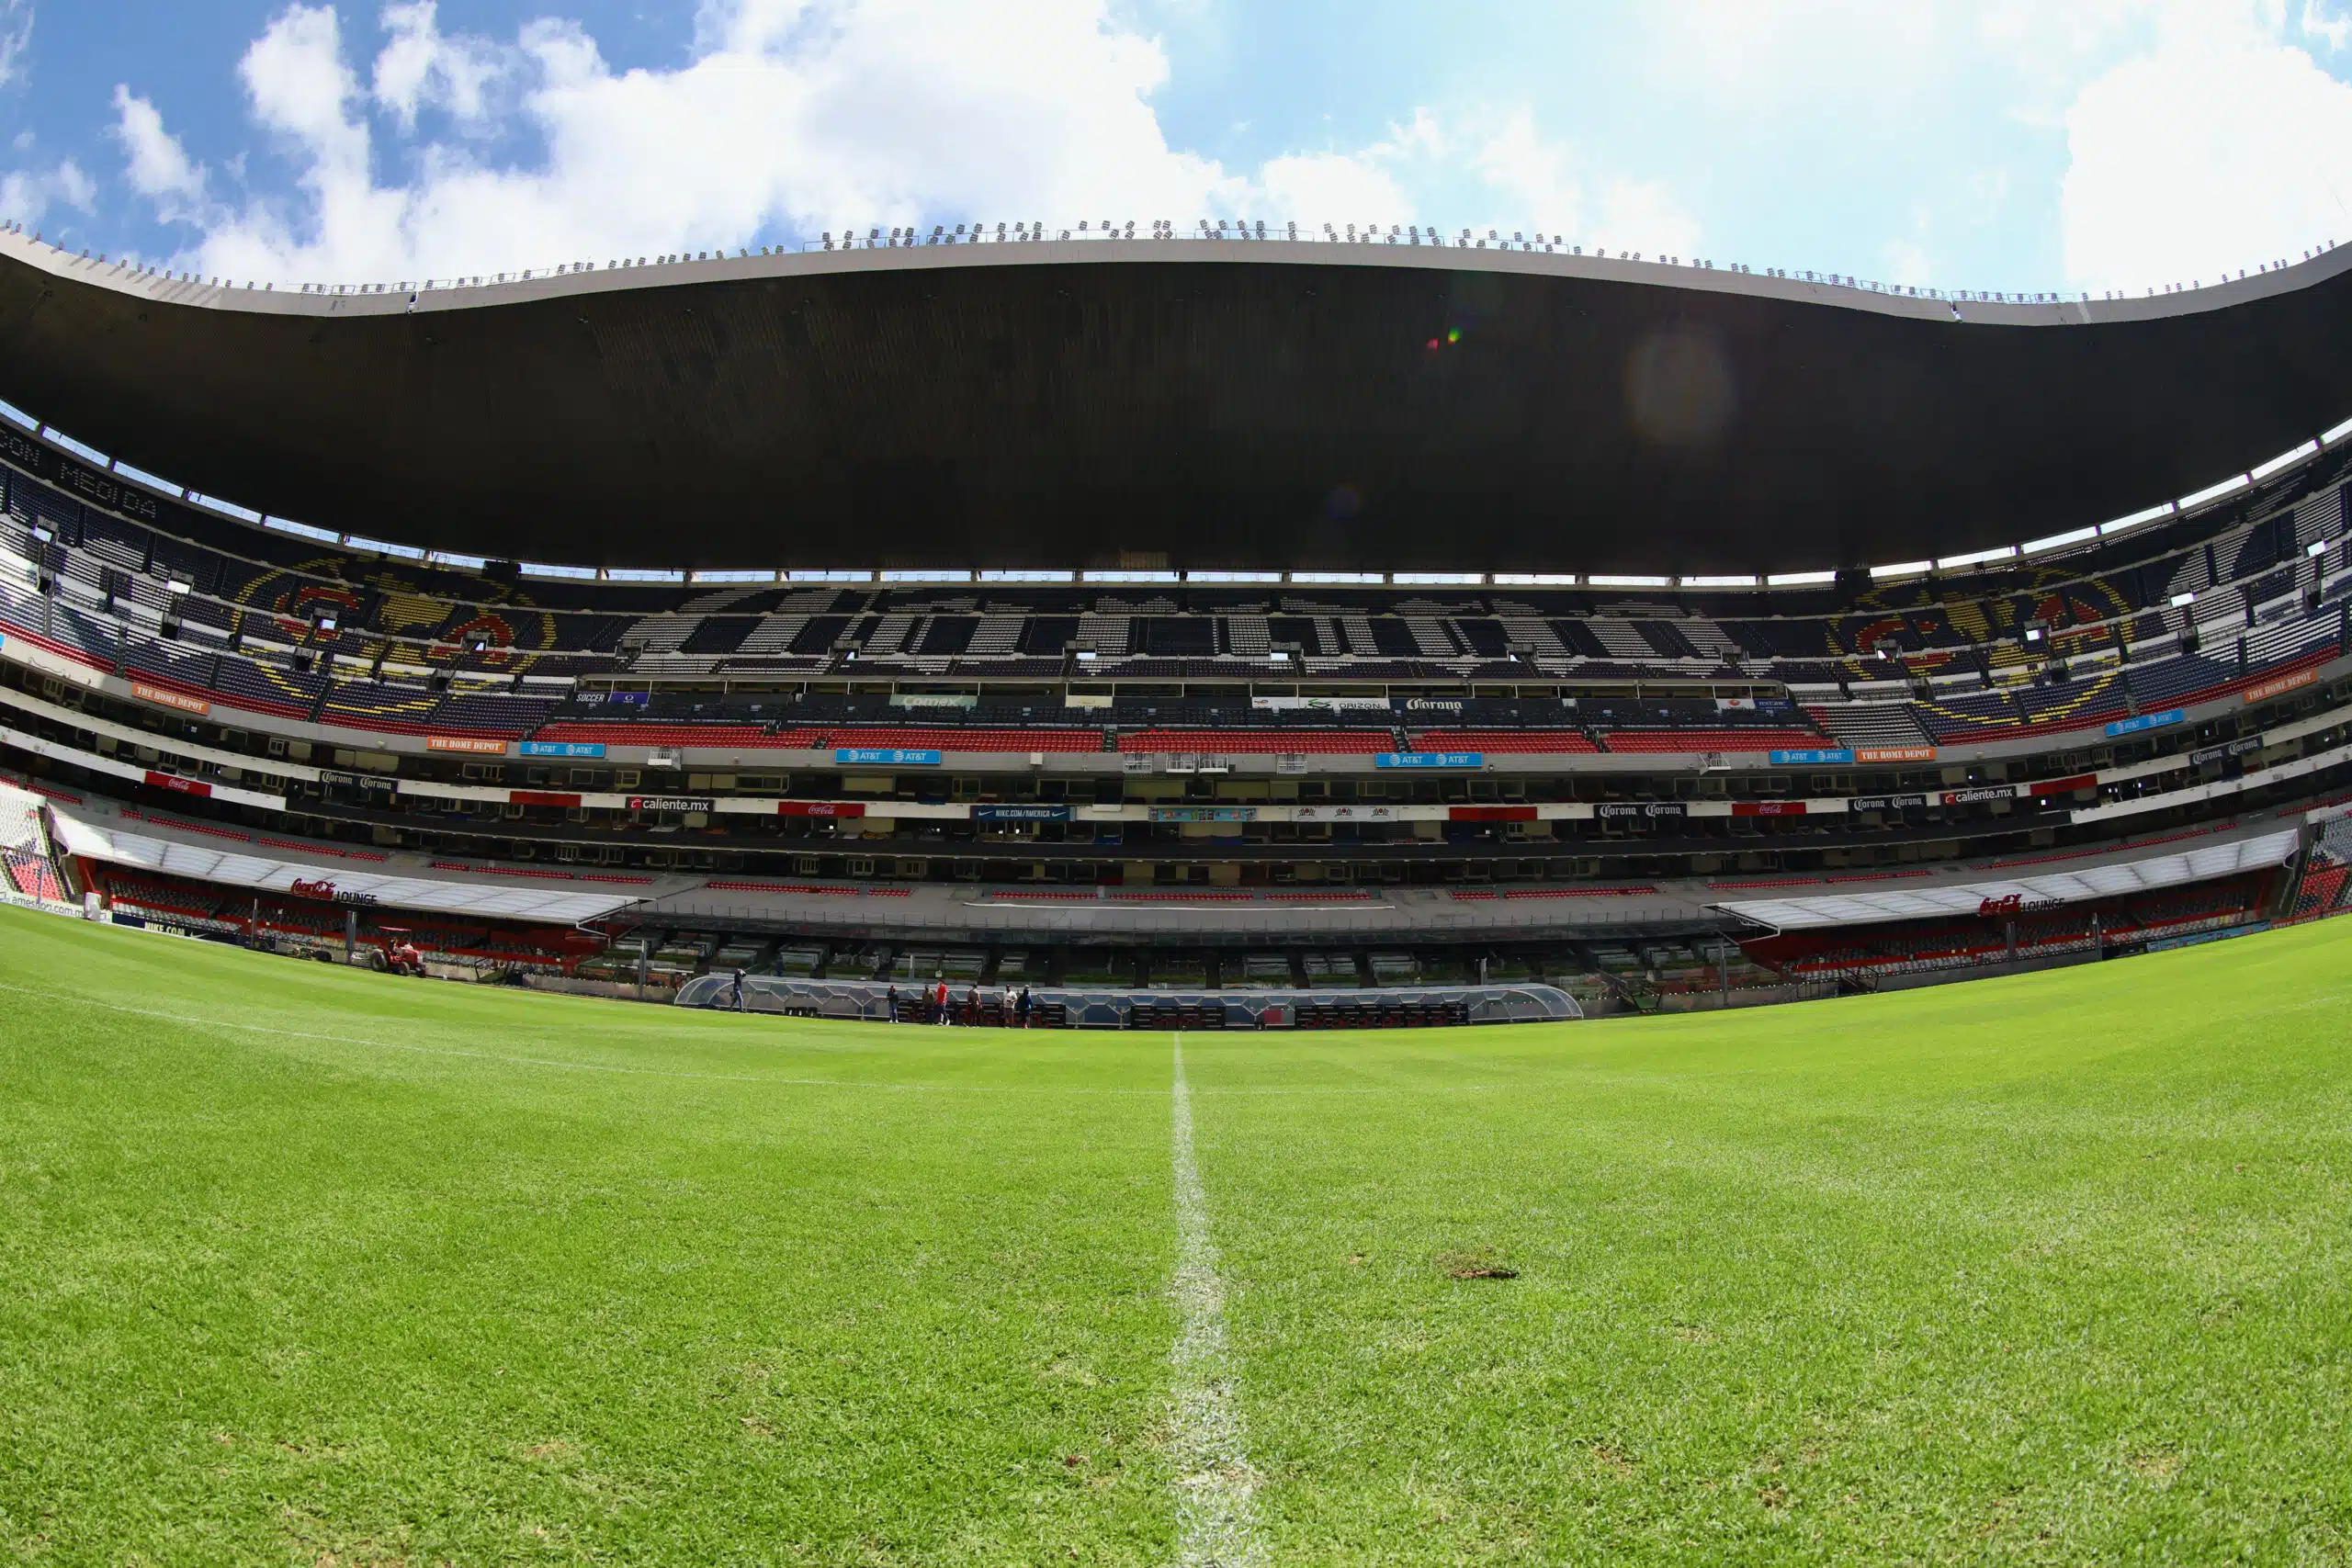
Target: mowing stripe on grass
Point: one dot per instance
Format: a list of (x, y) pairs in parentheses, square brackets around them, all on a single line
[(502, 1059), (1214, 1479)]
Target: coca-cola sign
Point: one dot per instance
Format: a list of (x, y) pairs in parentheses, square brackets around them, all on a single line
[(2014, 904), (318, 887)]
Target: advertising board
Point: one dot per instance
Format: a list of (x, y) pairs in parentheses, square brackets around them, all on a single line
[(1430, 759), (2139, 722), (888, 756)]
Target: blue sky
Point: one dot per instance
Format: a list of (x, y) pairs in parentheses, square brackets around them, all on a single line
[(1997, 144)]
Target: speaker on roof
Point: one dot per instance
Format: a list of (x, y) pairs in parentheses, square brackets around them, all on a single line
[(503, 570)]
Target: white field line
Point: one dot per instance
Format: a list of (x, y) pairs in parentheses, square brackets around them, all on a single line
[(1214, 1481)]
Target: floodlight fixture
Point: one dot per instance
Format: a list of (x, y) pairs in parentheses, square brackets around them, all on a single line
[(2214, 492), (2284, 460), (2057, 541), (2135, 519)]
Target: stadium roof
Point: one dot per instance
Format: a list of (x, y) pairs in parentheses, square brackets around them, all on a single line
[(1176, 402)]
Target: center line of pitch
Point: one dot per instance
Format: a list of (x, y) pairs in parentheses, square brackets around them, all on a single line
[(1214, 1481)]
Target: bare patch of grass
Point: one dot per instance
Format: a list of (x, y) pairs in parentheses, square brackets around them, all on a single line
[(1478, 1263)]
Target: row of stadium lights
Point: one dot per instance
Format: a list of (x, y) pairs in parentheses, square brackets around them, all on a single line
[(1411, 234), (2187, 503)]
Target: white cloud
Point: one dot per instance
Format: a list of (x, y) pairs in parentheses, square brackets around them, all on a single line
[(298, 83), (1537, 176), (1540, 184), (1643, 215), (1329, 187), (1814, 54), (1905, 262), (791, 116), (158, 167), (2217, 150), (16, 37), (421, 68), (27, 196)]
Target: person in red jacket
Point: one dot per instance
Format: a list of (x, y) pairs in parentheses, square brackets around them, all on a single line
[(939, 1004)]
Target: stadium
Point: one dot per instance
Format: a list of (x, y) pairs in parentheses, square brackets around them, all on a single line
[(1173, 641)]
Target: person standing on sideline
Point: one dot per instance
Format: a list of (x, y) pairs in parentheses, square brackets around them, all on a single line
[(939, 1004), (735, 990), (891, 1002), (1025, 1007)]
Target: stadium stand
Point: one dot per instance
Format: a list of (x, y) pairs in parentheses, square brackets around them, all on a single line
[(1742, 738), (1908, 947), (327, 670), (1539, 741), (287, 630), (1245, 742)]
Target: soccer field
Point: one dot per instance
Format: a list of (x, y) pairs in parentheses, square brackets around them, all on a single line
[(304, 1265)]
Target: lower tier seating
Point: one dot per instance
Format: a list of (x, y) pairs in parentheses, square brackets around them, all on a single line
[(1508, 741), (942, 738), (1739, 739)]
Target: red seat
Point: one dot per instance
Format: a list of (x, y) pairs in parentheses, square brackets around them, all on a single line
[(1505, 740), (1262, 742), (1713, 739), (943, 737), (661, 734)]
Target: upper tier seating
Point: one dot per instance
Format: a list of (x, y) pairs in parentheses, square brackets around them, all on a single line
[(1874, 725), (1969, 715), (1259, 742), (240, 617)]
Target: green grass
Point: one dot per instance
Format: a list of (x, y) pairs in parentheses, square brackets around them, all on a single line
[(2044, 1270)]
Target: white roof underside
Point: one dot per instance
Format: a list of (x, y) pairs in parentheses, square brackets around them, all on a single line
[(2201, 864)]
